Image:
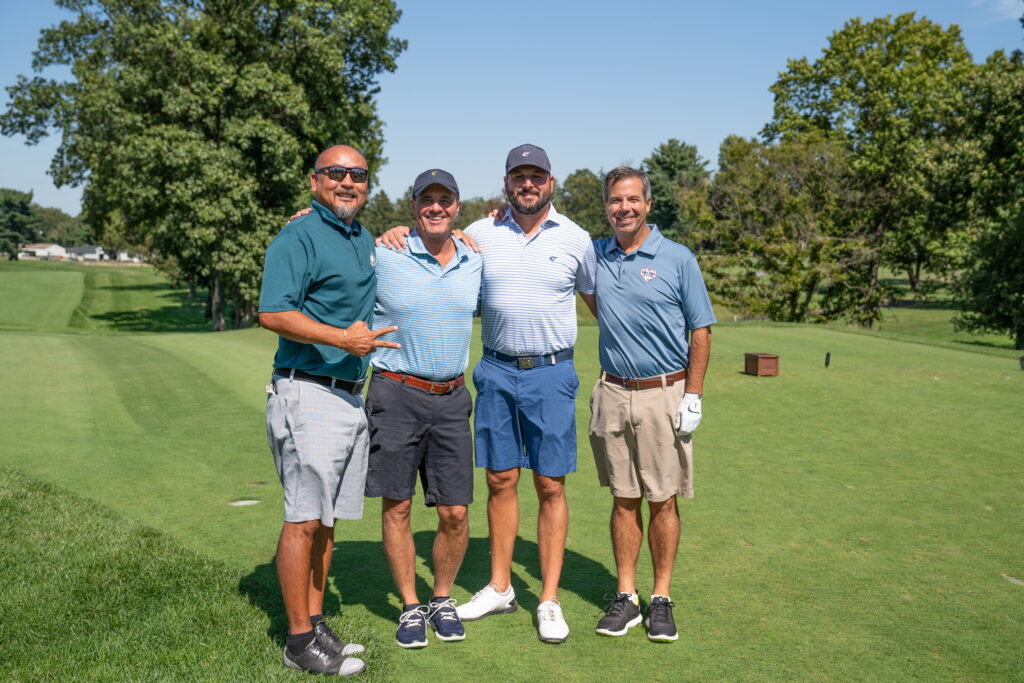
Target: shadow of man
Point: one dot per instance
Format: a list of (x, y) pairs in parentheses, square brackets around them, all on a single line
[(359, 570)]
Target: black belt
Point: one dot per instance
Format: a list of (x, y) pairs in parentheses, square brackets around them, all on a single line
[(527, 362), (332, 382)]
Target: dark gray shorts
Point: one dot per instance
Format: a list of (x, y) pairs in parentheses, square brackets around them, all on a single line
[(413, 432)]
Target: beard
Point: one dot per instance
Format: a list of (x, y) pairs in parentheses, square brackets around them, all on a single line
[(345, 213), (529, 210)]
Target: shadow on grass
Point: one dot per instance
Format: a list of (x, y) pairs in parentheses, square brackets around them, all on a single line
[(360, 571)]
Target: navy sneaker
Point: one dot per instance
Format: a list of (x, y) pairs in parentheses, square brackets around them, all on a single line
[(445, 620), (621, 614), (412, 627)]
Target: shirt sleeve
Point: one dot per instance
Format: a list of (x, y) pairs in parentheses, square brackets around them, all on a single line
[(696, 303), (286, 275), (586, 274)]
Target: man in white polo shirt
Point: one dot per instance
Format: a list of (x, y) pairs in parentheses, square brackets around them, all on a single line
[(535, 259)]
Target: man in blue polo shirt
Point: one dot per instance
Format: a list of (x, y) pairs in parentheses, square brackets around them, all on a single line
[(418, 405), (647, 403), (318, 292), (535, 260)]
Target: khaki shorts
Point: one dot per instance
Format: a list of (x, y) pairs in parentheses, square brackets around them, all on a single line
[(633, 436)]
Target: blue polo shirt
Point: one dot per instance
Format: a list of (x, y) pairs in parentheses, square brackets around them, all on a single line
[(529, 285), (646, 302), (323, 268), (432, 306)]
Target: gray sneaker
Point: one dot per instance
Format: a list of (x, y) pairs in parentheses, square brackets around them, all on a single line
[(331, 641), (661, 627), (319, 659), (621, 614)]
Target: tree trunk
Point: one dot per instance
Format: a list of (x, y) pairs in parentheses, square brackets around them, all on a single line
[(1019, 342), (191, 291), (217, 303), (245, 314), (914, 277)]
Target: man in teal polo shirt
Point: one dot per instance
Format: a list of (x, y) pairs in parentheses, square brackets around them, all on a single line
[(319, 285), (647, 403)]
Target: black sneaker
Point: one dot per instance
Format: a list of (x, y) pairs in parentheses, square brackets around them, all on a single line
[(331, 641), (445, 621), (319, 659), (661, 627), (412, 628), (620, 615)]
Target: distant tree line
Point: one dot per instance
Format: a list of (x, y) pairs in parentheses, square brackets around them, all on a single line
[(22, 221), (893, 151)]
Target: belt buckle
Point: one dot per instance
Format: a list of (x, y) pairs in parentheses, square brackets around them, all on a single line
[(524, 363), (437, 388)]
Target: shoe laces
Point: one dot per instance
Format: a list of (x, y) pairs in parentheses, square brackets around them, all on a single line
[(616, 603), (413, 617), (660, 609), (444, 610), (483, 591), (550, 611)]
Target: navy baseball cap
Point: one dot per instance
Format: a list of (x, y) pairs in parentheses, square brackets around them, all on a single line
[(527, 155), (434, 176)]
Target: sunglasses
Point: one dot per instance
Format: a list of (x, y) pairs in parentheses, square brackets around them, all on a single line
[(338, 173)]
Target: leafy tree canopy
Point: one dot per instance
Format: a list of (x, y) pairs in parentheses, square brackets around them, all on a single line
[(891, 92), (193, 124), (580, 197), (675, 169)]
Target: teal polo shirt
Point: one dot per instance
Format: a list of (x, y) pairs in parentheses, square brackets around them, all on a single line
[(323, 268), (646, 303)]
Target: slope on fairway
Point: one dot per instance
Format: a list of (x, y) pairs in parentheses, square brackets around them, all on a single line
[(91, 596)]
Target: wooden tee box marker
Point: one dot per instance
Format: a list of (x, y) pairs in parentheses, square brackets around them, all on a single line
[(761, 364)]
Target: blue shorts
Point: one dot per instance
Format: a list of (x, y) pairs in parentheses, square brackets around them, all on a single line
[(526, 418)]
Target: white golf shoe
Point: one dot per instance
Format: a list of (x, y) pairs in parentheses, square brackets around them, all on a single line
[(551, 624), (486, 602)]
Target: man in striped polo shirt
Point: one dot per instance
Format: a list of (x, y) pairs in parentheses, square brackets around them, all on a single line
[(535, 259), (418, 406)]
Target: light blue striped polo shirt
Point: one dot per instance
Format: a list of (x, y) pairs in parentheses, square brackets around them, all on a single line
[(529, 285), (432, 306)]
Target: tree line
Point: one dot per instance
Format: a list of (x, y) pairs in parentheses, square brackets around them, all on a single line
[(22, 221), (893, 151)]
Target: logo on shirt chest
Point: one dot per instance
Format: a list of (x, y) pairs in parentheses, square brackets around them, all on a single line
[(648, 274), (373, 260)]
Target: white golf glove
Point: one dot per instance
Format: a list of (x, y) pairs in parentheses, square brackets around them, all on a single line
[(688, 415)]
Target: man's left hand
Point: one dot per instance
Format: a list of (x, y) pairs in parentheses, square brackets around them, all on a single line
[(688, 415)]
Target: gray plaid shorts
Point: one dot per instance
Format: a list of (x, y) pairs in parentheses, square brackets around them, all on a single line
[(320, 441)]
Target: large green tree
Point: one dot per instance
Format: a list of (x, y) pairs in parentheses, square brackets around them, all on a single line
[(193, 124), (777, 237), (675, 170), (891, 92), (991, 288), (18, 224), (580, 197)]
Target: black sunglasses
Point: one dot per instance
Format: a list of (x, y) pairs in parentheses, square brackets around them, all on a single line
[(338, 173)]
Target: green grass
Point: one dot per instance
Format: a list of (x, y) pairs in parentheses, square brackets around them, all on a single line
[(858, 522), (96, 299)]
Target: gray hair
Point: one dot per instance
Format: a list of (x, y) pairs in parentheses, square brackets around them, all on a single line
[(621, 173)]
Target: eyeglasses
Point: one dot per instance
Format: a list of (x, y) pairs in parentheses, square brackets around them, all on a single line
[(338, 173)]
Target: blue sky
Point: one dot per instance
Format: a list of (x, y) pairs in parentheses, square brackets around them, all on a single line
[(595, 83)]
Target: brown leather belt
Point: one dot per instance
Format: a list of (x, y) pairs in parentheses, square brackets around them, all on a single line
[(424, 384), (645, 382)]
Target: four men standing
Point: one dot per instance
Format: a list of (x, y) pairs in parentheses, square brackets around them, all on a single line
[(319, 286)]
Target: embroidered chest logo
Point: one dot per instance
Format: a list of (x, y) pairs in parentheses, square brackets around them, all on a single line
[(648, 274), (373, 260)]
